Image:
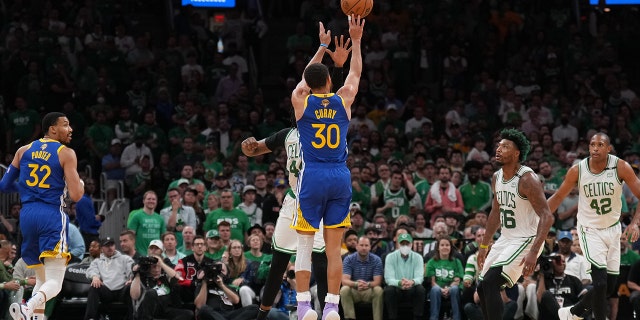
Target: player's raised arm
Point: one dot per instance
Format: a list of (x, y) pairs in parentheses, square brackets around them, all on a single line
[(350, 89), (302, 89), (570, 181)]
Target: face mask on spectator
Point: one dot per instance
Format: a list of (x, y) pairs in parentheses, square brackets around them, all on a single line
[(404, 250)]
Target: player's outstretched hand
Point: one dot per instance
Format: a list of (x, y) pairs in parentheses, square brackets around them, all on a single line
[(340, 55), (356, 27), (325, 36), (249, 146)]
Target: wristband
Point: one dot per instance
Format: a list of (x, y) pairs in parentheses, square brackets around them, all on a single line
[(484, 246), (324, 45), (1, 285), (23, 282)]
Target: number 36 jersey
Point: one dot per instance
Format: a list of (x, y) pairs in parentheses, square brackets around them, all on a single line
[(323, 129), (517, 217), (600, 200), (41, 175)]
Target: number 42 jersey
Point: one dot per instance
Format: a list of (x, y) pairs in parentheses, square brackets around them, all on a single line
[(41, 174), (323, 129), (600, 195)]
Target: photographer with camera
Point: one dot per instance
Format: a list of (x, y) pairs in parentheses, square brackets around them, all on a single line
[(285, 301), (215, 299), (555, 288), (154, 291)]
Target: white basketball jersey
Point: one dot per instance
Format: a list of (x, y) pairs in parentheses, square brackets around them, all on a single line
[(294, 160), (517, 217), (600, 200)]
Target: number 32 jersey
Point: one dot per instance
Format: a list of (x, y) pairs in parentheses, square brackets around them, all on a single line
[(600, 199), (323, 129), (41, 175), (517, 217)]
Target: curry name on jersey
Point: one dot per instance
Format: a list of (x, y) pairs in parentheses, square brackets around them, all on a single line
[(323, 129)]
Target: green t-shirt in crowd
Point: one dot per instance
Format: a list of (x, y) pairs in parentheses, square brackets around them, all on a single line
[(147, 227), (445, 271), (236, 217)]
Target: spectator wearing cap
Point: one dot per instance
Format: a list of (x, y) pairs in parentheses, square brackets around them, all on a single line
[(170, 245), (177, 215), (248, 205), (112, 168), (443, 196), (395, 198), (576, 265), (361, 280), (236, 217), (215, 247), (272, 204), (349, 243), (220, 183), (361, 192), (146, 223), (132, 154), (186, 175), (109, 275), (403, 274), (260, 231)]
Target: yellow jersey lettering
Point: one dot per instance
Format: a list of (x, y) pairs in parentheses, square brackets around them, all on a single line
[(40, 155), (325, 113)]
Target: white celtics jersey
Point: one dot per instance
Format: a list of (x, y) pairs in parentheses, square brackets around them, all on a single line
[(294, 160), (600, 200), (517, 217)]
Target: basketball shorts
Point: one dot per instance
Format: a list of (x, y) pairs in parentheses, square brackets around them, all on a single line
[(601, 247), (324, 194), (508, 253), (285, 239), (44, 231)]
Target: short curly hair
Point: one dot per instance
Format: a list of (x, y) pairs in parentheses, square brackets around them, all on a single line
[(519, 139)]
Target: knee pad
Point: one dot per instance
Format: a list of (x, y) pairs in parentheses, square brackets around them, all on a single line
[(303, 258)]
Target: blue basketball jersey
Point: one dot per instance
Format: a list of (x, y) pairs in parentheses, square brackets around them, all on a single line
[(323, 129), (41, 175)]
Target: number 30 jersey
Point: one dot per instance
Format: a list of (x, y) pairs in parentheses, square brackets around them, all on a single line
[(600, 195), (323, 129), (517, 217), (41, 175)]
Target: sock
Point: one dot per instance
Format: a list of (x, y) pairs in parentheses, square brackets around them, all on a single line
[(332, 298), (262, 314), (54, 269), (303, 296)]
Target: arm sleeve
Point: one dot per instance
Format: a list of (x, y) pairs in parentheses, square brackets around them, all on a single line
[(8, 182), (390, 272), (277, 139)]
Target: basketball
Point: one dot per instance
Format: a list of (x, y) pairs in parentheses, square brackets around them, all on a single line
[(360, 8)]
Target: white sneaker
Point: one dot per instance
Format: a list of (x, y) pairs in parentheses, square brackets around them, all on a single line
[(20, 311), (565, 314)]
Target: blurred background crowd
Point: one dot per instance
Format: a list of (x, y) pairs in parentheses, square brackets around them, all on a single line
[(161, 95)]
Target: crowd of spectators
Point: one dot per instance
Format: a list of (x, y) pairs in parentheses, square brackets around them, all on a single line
[(163, 113)]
